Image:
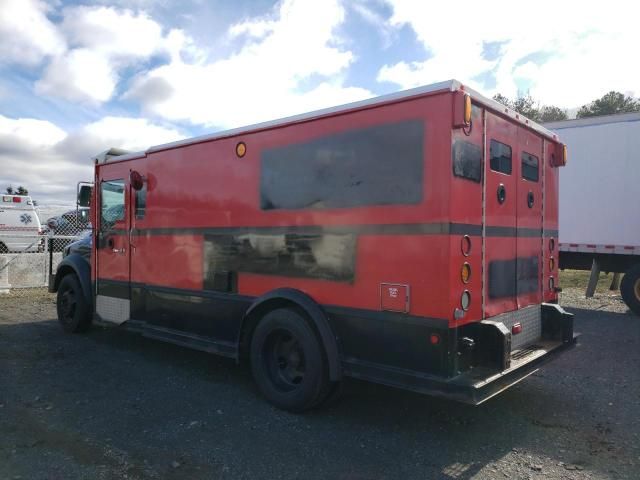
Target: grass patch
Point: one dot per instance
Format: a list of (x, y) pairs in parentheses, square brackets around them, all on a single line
[(580, 278)]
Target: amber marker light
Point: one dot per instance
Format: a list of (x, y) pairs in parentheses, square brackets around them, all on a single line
[(552, 264), (241, 149), (465, 272), (467, 109)]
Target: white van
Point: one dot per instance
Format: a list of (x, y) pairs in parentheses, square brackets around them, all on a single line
[(19, 225)]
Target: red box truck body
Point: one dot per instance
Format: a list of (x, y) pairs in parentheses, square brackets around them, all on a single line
[(413, 236)]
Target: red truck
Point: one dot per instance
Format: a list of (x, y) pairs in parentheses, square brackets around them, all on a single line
[(409, 240)]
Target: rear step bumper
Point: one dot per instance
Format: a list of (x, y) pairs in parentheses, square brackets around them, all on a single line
[(480, 384), (473, 387), (502, 368)]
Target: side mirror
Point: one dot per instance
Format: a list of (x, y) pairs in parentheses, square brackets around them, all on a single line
[(84, 195), (136, 180)]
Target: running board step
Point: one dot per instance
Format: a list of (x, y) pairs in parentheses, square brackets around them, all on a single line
[(197, 342)]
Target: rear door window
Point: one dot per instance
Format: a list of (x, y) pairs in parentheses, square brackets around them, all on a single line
[(500, 157), (530, 167)]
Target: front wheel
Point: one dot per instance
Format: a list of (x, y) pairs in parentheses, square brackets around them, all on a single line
[(630, 289), (287, 361), (72, 307)]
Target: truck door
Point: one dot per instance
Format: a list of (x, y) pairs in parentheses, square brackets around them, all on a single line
[(112, 246), (529, 217), (500, 209)]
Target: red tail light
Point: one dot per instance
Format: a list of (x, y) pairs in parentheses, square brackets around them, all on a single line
[(516, 329), (17, 200)]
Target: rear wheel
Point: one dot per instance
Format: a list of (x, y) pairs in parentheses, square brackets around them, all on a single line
[(630, 289), (287, 361), (72, 307)]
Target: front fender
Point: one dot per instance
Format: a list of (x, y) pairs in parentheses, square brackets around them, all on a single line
[(78, 265)]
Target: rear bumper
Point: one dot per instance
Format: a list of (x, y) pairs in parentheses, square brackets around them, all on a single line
[(498, 367), (480, 384)]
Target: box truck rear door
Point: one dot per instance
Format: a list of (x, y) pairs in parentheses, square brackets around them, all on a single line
[(500, 216), (528, 176)]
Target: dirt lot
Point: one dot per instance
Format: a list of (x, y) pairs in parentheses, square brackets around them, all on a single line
[(111, 404)]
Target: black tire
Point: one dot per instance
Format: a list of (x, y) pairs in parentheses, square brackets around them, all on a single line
[(288, 361), (72, 307), (630, 289)]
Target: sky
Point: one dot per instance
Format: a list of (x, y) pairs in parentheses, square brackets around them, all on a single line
[(79, 77)]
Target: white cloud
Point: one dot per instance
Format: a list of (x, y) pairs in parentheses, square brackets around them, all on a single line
[(115, 33), (26, 34), (580, 49), (265, 79), (15, 134), (49, 161), (128, 133), (103, 41), (79, 75)]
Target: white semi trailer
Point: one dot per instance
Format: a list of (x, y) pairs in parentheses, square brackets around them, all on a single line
[(600, 200)]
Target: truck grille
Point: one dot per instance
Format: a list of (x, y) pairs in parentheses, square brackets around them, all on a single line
[(531, 320)]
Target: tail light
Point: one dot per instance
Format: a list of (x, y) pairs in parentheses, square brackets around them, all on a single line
[(516, 328)]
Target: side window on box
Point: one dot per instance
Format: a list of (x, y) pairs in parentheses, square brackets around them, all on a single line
[(500, 154)]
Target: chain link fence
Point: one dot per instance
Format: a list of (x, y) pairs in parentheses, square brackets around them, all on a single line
[(25, 270)]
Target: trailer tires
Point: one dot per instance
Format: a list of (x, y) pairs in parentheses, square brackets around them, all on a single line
[(630, 289), (71, 305), (288, 361)]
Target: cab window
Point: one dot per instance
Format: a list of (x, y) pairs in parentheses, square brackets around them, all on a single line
[(112, 203), (500, 157), (141, 202)]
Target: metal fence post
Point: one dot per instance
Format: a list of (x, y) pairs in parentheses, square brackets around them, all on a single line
[(45, 271), (4, 275)]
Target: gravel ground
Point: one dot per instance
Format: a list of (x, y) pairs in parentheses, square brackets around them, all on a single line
[(110, 404)]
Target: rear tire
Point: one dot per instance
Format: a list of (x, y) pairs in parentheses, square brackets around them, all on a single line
[(72, 307), (288, 361), (630, 288)]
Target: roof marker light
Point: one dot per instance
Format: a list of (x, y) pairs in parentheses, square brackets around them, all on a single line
[(467, 109)]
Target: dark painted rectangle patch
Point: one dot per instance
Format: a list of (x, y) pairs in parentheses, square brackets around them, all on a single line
[(515, 276), (378, 165), (323, 256), (114, 288)]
